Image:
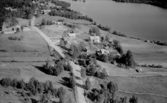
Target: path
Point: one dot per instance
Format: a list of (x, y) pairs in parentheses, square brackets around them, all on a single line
[(46, 38), (76, 71), (76, 68)]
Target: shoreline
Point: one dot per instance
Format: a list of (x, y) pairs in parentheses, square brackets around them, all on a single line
[(160, 3), (108, 29)]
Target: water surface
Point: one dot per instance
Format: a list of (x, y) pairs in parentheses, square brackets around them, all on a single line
[(136, 20)]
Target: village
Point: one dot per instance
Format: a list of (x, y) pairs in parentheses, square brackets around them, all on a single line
[(53, 59)]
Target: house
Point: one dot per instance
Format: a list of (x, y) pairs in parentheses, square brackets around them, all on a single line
[(57, 23), (45, 11), (94, 39), (72, 34), (12, 29), (10, 9), (61, 20), (107, 51)]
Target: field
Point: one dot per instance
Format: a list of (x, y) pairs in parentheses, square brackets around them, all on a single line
[(23, 59), (47, 17), (149, 85), (144, 53)]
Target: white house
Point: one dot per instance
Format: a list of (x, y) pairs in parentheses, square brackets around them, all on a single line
[(46, 11), (94, 39), (70, 33)]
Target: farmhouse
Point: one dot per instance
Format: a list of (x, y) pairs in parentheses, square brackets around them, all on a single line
[(58, 23), (12, 29), (94, 39), (107, 51), (72, 34), (45, 11)]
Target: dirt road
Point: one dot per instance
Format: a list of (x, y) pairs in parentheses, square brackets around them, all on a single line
[(76, 68)]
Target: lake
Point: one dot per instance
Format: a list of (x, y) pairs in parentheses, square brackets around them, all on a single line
[(136, 20)]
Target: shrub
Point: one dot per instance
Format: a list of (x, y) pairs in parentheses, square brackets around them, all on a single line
[(119, 49), (87, 84), (72, 82), (68, 67), (91, 70), (54, 69), (43, 22), (83, 73), (61, 92), (74, 51), (6, 82), (95, 30), (112, 88), (133, 99), (129, 60)]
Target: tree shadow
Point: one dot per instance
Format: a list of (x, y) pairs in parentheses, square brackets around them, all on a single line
[(41, 68), (79, 85), (65, 81), (78, 70), (77, 77)]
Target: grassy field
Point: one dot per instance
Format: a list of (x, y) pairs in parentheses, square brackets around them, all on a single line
[(151, 83), (47, 17), (31, 47), (8, 95), (151, 88), (23, 59), (144, 53)]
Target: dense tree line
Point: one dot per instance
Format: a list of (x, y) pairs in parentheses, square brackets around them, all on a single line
[(68, 13), (23, 9), (61, 3), (159, 3), (34, 87), (105, 28), (107, 94)]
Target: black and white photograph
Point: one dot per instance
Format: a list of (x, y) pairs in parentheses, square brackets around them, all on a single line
[(83, 51)]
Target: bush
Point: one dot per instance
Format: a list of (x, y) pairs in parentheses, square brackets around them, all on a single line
[(33, 86), (119, 49), (133, 99), (126, 60), (87, 84), (55, 69), (112, 88), (91, 70), (95, 30), (43, 22), (129, 60), (72, 82), (83, 73), (74, 51), (61, 92), (68, 67), (6, 82), (15, 38)]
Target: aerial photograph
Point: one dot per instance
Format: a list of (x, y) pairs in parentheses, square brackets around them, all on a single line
[(83, 51)]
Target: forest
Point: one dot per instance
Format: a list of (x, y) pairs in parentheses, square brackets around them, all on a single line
[(23, 9)]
